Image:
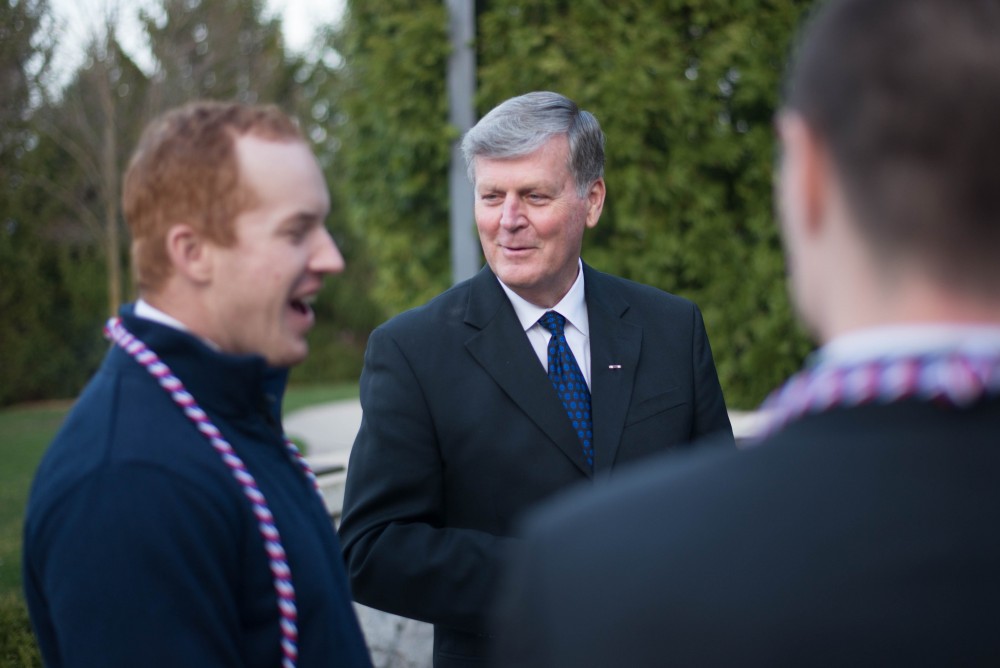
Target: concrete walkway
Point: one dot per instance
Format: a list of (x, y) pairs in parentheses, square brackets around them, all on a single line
[(328, 431)]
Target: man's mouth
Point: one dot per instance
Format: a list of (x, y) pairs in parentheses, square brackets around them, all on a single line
[(303, 305)]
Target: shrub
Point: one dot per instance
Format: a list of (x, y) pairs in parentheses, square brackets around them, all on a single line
[(18, 648)]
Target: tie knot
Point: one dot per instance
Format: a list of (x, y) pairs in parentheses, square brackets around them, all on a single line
[(554, 322)]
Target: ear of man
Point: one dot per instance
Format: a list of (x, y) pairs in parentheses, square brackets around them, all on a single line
[(595, 202), (809, 172), (190, 253)]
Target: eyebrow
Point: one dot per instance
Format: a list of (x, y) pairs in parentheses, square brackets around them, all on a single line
[(302, 220), (539, 185)]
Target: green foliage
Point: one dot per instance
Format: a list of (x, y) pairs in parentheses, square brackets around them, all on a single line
[(52, 285), (24, 434), (52, 341), (345, 309), (392, 167), (24, 54), (223, 50), (51, 274), (304, 395), (18, 648)]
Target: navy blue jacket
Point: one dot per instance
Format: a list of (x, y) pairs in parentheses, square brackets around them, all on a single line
[(140, 548)]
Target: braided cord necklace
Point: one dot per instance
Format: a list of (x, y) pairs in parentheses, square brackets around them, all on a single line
[(955, 379), (280, 571)]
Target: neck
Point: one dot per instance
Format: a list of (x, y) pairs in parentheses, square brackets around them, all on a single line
[(171, 305), (909, 300), (185, 311)]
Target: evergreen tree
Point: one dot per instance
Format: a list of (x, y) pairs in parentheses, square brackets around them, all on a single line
[(685, 91), (394, 144), (94, 125), (345, 309), (219, 49)]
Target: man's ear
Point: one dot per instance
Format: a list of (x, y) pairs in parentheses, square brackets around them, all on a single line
[(190, 253), (595, 201), (806, 171)]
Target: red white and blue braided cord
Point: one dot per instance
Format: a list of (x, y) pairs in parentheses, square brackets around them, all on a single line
[(277, 561), (957, 379)]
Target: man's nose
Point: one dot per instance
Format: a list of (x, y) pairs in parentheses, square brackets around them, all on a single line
[(510, 214), (326, 258)]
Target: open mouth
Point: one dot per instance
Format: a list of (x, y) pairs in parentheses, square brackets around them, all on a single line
[(302, 305)]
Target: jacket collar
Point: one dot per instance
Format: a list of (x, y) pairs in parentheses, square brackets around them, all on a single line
[(230, 385)]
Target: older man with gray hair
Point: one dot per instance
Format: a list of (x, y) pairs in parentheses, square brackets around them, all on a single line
[(537, 374)]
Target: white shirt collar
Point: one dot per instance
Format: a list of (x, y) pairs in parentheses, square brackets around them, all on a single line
[(144, 309), (910, 340), (573, 306)]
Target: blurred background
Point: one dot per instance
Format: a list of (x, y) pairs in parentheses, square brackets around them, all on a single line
[(684, 89)]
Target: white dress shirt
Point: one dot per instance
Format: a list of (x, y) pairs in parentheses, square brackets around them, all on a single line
[(144, 309), (573, 307)]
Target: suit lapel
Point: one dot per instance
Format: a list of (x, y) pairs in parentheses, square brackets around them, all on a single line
[(614, 356), (502, 349)]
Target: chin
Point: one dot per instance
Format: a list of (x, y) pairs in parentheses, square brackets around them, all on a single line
[(516, 277), (288, 357)]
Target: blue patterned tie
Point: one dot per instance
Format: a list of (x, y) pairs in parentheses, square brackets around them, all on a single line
[(569, 383)]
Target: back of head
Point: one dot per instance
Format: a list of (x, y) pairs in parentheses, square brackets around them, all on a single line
[(905, 94), (185, 170), (521, 125)]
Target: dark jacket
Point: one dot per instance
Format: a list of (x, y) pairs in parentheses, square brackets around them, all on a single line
[(856, 537), (463, 432), (140, 548)]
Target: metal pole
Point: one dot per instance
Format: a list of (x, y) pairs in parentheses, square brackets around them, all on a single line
[(465, 257)]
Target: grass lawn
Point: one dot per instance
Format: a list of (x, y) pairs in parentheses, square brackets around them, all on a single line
[(24, 434), (25, 431), (300, 396)]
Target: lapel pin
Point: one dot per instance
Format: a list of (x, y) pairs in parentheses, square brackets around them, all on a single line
[(614, 366)]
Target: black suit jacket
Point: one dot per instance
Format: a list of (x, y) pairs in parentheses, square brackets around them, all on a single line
[(462, 432), (864, 536)]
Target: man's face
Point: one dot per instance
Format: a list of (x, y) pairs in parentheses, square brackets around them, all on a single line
[(262, 286), (531, 220)]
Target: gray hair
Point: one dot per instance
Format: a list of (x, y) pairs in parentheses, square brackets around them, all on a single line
[(521, 125)]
